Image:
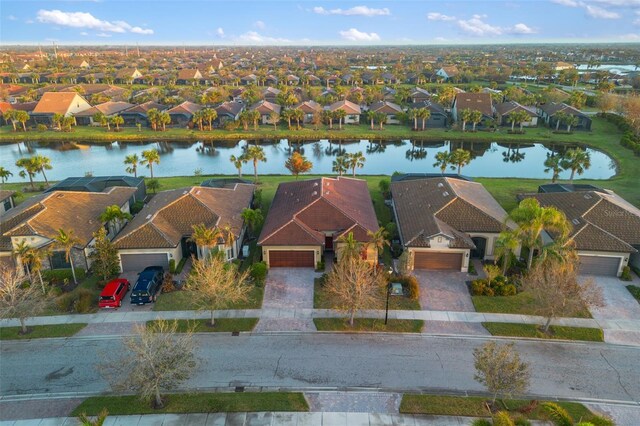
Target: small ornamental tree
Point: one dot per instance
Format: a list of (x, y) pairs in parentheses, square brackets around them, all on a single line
[(19, 299), (298, 164), (104, 256), (500, 369)]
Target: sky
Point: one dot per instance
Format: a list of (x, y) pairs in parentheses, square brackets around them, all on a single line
[(307, 22)]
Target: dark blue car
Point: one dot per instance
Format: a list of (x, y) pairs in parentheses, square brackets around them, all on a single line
[(148, 285)]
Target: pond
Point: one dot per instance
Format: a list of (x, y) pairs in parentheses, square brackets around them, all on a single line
[(490, 159)]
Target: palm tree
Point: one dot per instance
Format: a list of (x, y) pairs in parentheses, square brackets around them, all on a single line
[(424, 114), (532, 219), (153, 116), (252, 217), (340, 165), (560, 118), (577, 160), (4, 174), (340, 114), (413, 115), (459, 158), (298, 115), (553, 163), (570, 121), (228, 236), (465, 116), (21, 251), (42, 163), (379, 239), (22, 117), (131, 161), (205, 238), (238, 162), (475, 118), (382, 119), (287, 114), (443, 158), (328, 116), (349, 248), (254, 117), (30, 169), (117, 121), (371, 116), (355, 160), (149, 157), (33, 258), (197, 118), (114, 216), (506, 244), (275, 118), (66, 241), (255, 154), (209, 114), (164, 118), (10, 115)]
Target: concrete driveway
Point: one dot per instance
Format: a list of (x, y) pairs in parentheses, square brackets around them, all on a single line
[(444, 291), (288, 289)]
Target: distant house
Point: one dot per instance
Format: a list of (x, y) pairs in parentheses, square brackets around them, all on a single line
[(109, 109), (6, 201), (270, 94), (473, 101), (229, 111), (505, 108), (438, 118), (560, 66), (181, 114), (420, 95), (78, 63), (138, 114), (64, 103), (213, 65), (128, 75), (389, 108), (248, 79), (309, 108), (353, 111), (265, 108), (102, 183), (313, 80), (188, 76), (549, 112), (447, 72), (161, 231), (292, 80)]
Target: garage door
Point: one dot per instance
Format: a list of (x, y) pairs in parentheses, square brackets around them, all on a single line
[(598, 265), (137, 262), (438, 261), (291, 258)]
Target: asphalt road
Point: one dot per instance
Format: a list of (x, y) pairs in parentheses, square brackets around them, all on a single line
[(565, 370)]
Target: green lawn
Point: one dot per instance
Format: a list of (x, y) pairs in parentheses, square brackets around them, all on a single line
[(321, 301), (183, 301), (521, 303), (635, 291), (227, 325), (369, 324), (473, 406), (556, 332), (41, 331), (196, 403)]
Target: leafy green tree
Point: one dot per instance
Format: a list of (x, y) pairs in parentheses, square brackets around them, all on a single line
[(577, 160), (298, 164), (131, 161), (104, 257), (255, 154), (443, 159), (459, 158), (153, 185), (149, 158), (506, 245), (253, 218), (500, 369)]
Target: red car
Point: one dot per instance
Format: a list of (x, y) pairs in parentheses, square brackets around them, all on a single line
[(113, 293)]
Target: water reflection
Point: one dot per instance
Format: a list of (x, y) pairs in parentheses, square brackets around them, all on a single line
[(489, 159)]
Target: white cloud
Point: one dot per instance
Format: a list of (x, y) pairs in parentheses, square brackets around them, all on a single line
[(476, 26), (436, 16), (353, 34), (355, 11), (103, 35), (84, 33), (253, 37), (619, 3), (220, 32), (12, 18), (87, 20), (569, 3), (260, 25), (521, 29), (600, 13)]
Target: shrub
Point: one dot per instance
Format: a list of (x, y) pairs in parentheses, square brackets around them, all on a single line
[(259, 272), (83, 301), (64, 303), (558, 415), (478, 287), (320, 266), (626, 274), (172, 266), (601, 421), (521, 421), (507, 290), (59, 275), (392, 229), (501, 418), (41, 127)]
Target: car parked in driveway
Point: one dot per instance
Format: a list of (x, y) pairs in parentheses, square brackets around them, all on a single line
[(147, 286), (113, 293)]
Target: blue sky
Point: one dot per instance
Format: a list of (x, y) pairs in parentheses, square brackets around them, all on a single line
[(243, 22)]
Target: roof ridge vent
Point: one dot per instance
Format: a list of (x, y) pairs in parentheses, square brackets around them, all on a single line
[(314, 193), (440, 184), (148, 216), (575, 221), (445, 193), (587, 196)]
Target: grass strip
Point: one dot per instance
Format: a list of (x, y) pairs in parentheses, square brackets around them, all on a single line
[(369, 324), (635, 291), (221, 325), (521, 303), (41, 331), (196, 403), (555, 331)]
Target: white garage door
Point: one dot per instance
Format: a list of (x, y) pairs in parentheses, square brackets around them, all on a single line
[(137, 262), (599, 265)]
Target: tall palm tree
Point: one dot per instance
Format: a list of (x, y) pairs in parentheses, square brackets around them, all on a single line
[(371, 116), (328, 117), (560, 118), (355, 160), (340, 165), (42, 163), (506, 244), (577, 160), (340, 114), (465, 117), (149, 158), (532, 219), (131, 161), (67, 241), (153, 116), (413, 115), (238, 162), (205, 238), (475, 118), (21, 251), (4, 174), (253, 218), (117, 121), (350, 248), (197, 118), (33, 258), (209, 114), (228, 236), (424, 114), (10, 115), (255, 154), (382, 119), (298, 115), (114, 217), (29, 169), (459, 158), (443, 159), (553, 164), (22, 117), (379, 239)]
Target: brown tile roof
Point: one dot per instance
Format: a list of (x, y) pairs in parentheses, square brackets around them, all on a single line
[(186, 107), (474, 101), (170, 215), (56, 102), (552, 108), (145, 107), (265, 107), (107, 108), (187, 74), (6, 193), (309, 107), (45, 214), (386, 107), (442, 205), (506, 108), (301, 211), (348, 106), (601, 221)]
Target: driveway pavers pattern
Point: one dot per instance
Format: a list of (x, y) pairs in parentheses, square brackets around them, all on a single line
[(444, 291)]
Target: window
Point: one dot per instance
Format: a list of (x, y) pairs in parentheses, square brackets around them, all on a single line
[(7, 204), (229, 253), (58, 260)]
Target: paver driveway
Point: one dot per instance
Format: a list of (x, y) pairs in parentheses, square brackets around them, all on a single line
[(444, 291), (288, 289)]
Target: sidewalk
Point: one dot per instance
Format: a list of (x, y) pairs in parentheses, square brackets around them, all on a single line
[(443, 316), (263, 419)]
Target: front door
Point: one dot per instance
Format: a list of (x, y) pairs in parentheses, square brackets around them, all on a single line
[(481, 246), (328, 242), (189, 248)]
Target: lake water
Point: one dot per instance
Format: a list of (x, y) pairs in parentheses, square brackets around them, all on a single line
[(490, 159)]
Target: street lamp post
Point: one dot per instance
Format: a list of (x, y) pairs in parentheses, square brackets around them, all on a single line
[(386, 312)]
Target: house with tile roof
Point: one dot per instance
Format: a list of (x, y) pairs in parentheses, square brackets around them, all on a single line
[(390, 109), (309, 108), (229, 111), (548, 112), (473, 101), (64, 103), (444, 221), (161, 231), (138, 113), (505, 108), (353, 111), (37, 220), (605, 228), (109, 109), (181, 114), (6, 201), (265, 108), (188, 76), (307, 218), (447, 72), (438, 118)]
